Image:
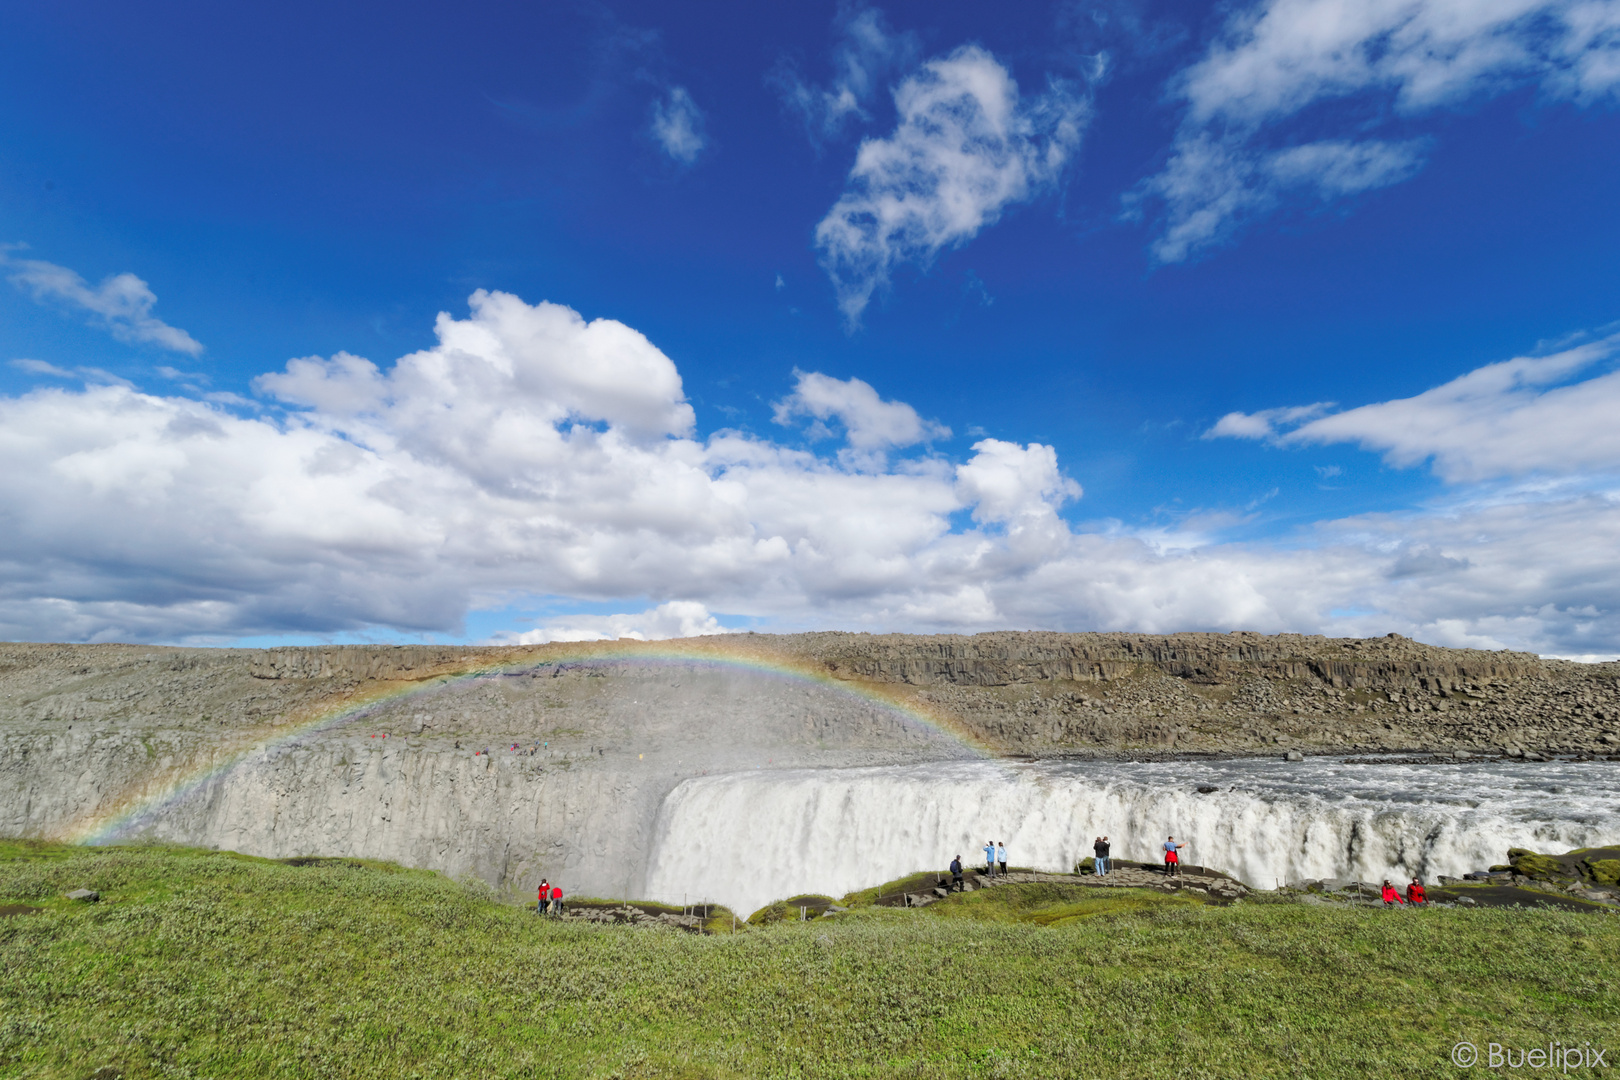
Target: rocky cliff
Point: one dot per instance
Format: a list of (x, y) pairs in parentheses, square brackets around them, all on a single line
[(512, 764)]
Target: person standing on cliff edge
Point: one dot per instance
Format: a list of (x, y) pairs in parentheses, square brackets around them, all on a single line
[(990, 858), (956, 874), (545, 897), (1172, 857), (1100, 861), (1001, 856)]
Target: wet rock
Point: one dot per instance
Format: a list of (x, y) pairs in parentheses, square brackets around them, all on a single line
[(1295, 755)]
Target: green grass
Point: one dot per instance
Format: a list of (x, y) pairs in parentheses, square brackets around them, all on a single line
[(210, 964)]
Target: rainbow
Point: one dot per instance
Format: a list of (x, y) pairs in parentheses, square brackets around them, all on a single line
[(141, 805)]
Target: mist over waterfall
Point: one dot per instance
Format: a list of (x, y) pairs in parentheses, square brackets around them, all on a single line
[(746, 839)]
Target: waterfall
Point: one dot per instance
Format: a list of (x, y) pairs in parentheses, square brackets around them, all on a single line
[(746, 839)]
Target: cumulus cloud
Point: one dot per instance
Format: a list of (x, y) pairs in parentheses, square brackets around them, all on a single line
[(1007, 482), (867, 50), (1277, 58), (677, 125), (532, 452), (870, 423), (964, 148), (676, 619), (1509, 419), (121, 304), (529, 451)]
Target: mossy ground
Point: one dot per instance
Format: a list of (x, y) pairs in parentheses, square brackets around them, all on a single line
[(200, 964)]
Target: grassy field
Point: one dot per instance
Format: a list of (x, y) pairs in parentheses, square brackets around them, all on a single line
[(207, 964)]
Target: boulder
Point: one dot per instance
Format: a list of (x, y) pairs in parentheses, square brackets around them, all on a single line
[(1295, 755), (1534, 866), (1604, 871), (87, 895)]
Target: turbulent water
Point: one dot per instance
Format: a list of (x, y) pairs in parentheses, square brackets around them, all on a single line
[(746, 839)]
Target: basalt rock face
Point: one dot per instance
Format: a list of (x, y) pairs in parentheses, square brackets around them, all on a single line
[(517, 763), (509, 765), (1047, 693)]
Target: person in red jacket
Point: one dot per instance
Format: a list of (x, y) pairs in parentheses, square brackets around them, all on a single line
[(1415, 894), (556, 900), (545, 895), (1391, 896)]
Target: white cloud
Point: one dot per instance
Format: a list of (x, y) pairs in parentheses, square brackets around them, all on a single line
[(1276, 58), (676, 619), (1337, 168), (866, 51), (1263, 424), (1006, 482), (41, 367), (532, 452), (52, 371), (122, 304), (677, 125), (1509, 419), (528, 451), (870, 423), (965, 147)]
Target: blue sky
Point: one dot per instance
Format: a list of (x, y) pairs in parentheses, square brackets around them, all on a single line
[(914, 317)]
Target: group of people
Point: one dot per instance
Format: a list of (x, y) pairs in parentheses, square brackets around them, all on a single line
[(995, 855), (1172, 855), (1414, 894), (995, 861), (549, 900), (994, 852)]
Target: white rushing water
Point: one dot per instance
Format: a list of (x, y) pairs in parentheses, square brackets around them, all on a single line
[(747, 839)]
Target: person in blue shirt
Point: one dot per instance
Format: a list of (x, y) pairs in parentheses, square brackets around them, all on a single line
[(1172, 860), (990, 857), (1001, 856)]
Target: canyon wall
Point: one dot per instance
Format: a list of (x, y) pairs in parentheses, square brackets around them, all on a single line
[(510, 764)]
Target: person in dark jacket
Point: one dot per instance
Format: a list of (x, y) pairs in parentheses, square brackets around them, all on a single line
[(1101, 859), (956, 874)]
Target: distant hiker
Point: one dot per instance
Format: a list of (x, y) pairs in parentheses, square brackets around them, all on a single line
[(956, 874), (990, 857), (1101, 860), (1415, 893), (1001, 856), (1391, 896), (1172, 858), (556, 901), (545, 896)]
